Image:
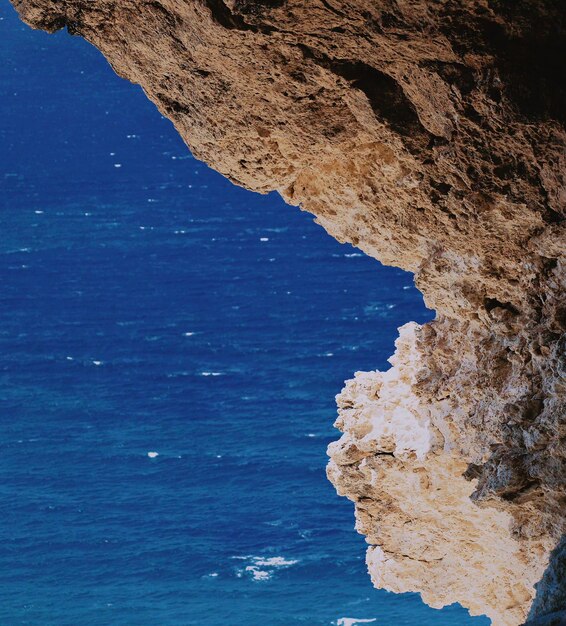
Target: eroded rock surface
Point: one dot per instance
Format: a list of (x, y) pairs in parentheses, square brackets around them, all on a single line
[(400, 460), (430, 134)]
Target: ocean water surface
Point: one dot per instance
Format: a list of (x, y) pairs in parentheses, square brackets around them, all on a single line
[(170, 348)]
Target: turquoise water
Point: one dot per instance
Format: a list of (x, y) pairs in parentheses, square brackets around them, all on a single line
[(149, 306)]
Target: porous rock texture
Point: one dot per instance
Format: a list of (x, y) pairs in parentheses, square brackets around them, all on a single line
[(430, 134)]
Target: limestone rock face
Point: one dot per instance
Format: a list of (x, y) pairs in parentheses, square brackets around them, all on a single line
[(430, 134), (399, 460)]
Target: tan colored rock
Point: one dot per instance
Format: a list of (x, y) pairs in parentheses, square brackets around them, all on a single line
[(398, 460), (430, 134)]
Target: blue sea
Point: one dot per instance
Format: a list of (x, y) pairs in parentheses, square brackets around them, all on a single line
[(170, 349)]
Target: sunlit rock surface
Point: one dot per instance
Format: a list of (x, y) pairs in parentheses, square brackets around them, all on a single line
[(430, 134), (399, 460)]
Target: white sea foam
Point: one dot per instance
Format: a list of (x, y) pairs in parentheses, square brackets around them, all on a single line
[(262, 568), (211, 373), (152, 454), (257, 574), (274, 561), (97, 362), (352, 621)]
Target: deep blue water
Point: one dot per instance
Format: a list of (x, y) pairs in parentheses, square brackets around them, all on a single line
[(148, 305)]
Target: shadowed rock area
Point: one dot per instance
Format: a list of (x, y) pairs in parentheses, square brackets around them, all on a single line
[(430, 134)]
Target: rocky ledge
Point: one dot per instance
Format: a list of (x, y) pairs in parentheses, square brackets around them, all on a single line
[(430, 134)]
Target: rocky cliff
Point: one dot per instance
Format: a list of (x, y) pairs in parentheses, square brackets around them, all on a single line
[(430, 134)]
